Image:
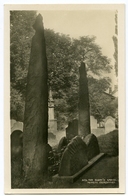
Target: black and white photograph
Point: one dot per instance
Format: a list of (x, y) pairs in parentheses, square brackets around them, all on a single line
[(64, 128)]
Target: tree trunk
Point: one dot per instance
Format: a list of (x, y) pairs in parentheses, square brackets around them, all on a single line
[(84, 108), (35, 134)]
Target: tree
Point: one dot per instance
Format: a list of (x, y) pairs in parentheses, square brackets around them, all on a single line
[(17, 105), (85, 49), (21, 32), (64, 56)]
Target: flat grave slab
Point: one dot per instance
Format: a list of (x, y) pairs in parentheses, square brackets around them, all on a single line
[(73, 178)]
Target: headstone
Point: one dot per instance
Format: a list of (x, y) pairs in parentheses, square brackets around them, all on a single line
[(16, 144), (101, 124), (92, 146), (12, 122), (109, 123), (84, 107), (93, 122), (35, 133), (52, 122), (16, 156), (74, 157), (17, 126), (72, 129), (62, 143)]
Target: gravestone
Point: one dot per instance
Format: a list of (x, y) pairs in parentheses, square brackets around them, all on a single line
[(109, 124), (74, 157), (84, 106), (16, 144), (72, 129), (93, 122), (101, 124), (92, 146), (17, 126), (35, 133), (12, 122), (16, 156), (62, 143)]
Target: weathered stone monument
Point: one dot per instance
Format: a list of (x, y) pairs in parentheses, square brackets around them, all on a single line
[(93, 122), (16, 125), (92, 146), (84, 108), (72, 129), (83, 150), (16, 144), (35, 134), (109, 123), (74, 157), (12, 122), (16, 157), (52, 122)]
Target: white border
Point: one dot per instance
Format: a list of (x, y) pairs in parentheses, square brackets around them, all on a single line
[(122, 83)]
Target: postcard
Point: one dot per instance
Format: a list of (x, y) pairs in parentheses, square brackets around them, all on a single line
[(64, 98)]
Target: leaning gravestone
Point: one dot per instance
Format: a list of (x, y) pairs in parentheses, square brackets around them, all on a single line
[(92, 146), (72, 129), (74, 157)]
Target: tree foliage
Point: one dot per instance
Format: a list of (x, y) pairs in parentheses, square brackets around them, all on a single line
[(21, 32), (64, 57)]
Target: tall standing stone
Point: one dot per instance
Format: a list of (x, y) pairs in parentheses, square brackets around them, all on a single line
[(35, 134), (84, 108)]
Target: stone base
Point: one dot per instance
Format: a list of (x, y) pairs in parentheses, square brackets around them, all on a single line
[(70, 179)]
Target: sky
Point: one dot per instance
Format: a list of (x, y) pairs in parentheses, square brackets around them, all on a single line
[(82, 23), (100, 23)]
